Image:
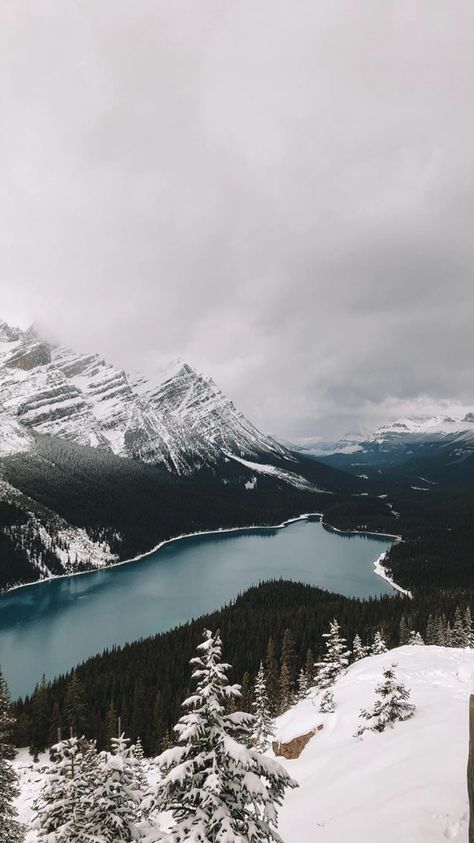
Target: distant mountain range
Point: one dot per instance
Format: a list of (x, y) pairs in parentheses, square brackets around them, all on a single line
[(444, 438)]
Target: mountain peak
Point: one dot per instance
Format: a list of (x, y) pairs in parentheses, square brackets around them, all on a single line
[(8, 333), (176, 416)]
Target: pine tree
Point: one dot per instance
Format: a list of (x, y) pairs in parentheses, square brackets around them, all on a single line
[(140, 773), (111, 726), (40, 723), (75, 709), (309, 668), (67, 784), (335, 659), (288, 655), (431, 634), (468, 627), (379, 646), (392, 706), (246, 698), (110, 810), (459, 637), (327, 704), (403, 631), (271, 670), (441, 631), (10, 829), (286, 694), (287, 671), (216, 789), (358, 649), (415, 638), (138, 750), (303, 686), (159, 729), (262, 729), (55, 725)]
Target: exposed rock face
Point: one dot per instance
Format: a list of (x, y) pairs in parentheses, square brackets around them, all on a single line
[(30, 358), (294, 748), (178, 418)]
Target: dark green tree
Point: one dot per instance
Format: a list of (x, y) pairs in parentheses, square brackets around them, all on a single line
[(10, 829)]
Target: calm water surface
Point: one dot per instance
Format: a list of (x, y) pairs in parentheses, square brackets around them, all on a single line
[(48, 628)]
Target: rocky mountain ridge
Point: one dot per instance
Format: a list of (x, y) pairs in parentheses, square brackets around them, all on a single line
[(179, 418)]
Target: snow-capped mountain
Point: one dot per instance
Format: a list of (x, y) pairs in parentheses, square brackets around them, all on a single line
[(416, 428), (447, 439), (178, 418)]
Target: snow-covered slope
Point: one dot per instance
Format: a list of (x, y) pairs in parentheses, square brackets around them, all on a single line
[(178, 418), (52, 546), (14, 437), (405, 784)]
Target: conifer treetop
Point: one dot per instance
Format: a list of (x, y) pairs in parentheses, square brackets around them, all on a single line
[(215, 787)]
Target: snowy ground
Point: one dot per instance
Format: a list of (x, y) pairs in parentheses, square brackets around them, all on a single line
[(406, 785)]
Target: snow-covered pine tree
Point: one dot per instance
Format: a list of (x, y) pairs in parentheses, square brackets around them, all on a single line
[(459, 637), (327, 704), (335, 659), (468, 627), (68, 782), (216, 788), (140, 772), (392, 706), (359, 651), (262, 729), (110, 810), (379, 646), (415, 638), (11, 830), (303, 686)]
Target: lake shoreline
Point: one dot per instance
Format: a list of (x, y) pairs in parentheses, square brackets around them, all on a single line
[(379, 569)]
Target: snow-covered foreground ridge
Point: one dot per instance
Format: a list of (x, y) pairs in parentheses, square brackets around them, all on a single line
[(405, 784)]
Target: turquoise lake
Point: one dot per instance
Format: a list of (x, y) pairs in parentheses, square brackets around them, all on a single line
[(48, 628)]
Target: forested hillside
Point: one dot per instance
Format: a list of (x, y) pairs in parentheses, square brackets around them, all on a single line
[(281, 623)]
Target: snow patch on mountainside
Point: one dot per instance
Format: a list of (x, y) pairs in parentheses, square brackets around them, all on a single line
[(75, 549), (14, 439), (281, 473), (405, 784)]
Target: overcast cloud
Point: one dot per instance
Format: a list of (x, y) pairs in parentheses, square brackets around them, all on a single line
[(282, 193)]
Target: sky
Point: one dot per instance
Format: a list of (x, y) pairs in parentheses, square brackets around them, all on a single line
[(280, 193)]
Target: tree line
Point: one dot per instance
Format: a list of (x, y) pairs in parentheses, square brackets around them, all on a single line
[(279, 624)]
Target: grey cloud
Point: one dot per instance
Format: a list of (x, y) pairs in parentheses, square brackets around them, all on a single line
[(280, 192)]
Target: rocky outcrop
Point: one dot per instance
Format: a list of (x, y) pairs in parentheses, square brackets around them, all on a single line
[(30, 358), (294, 748)]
